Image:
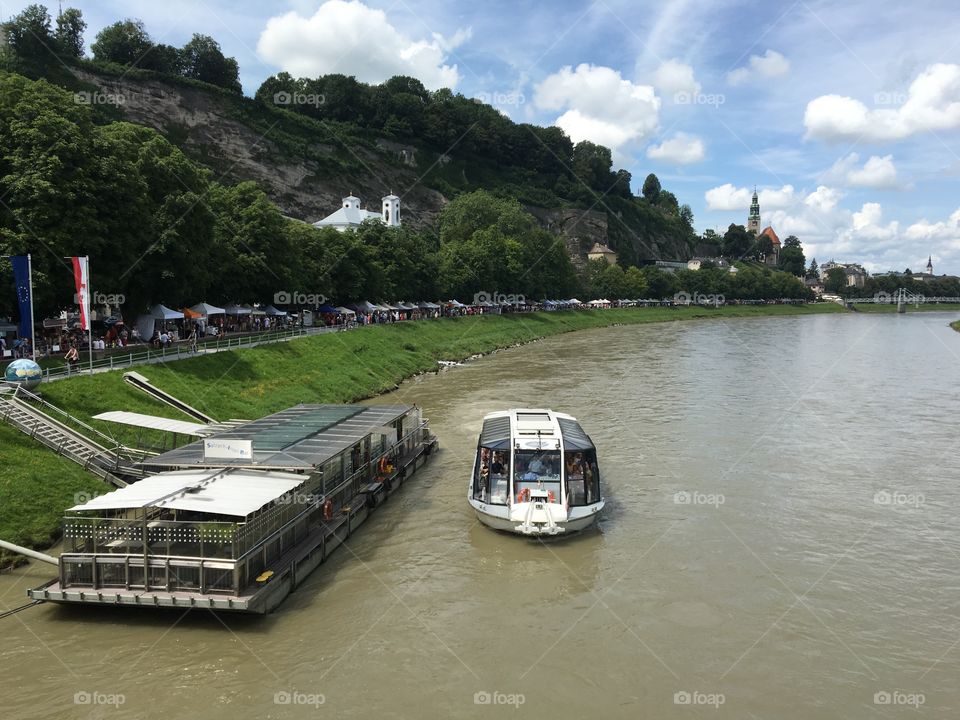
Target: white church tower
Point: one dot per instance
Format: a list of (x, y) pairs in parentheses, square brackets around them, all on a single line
[(391, 211), (351, 202)]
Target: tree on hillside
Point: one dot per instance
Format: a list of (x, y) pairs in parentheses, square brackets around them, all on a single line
[(668, 201), (69, 33), (651, 188), (492, 245), (686, 215), (737, 241), (762, 247), (814, 270), (202, 59), (29, 36), (125, 42), (792, 259), (836, 281), (591, 164)]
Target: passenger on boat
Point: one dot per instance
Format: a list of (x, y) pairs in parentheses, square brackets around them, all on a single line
[(537, 466), (497, 467)]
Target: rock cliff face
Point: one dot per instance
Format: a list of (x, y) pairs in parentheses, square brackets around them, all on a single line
[(304, 187), (307, 174)]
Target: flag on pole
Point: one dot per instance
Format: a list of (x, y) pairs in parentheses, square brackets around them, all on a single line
[(21, 279), (81, 277)]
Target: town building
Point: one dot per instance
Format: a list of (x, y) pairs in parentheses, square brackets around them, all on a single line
[(697, 263), (670, 265), (753, 226), (351, 215), (854, 272), (599, 251)]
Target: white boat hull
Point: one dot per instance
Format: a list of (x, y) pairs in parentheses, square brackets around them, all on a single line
[(516, 519)]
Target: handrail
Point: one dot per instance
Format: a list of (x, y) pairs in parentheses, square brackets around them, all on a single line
[(114, 446)]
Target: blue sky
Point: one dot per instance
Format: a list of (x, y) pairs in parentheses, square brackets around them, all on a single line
[(844, 115)]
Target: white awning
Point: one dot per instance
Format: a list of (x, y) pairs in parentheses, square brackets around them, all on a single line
[(152, 422), (237, 493)]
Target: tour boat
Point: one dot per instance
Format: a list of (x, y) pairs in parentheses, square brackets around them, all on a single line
[(535, 474)]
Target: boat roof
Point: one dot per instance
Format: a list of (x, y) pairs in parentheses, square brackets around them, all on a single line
[(218, 491), (297, 439), (524, 426), (153, 422)]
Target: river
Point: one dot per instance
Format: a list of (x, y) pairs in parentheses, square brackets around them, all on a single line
[(781, 541)]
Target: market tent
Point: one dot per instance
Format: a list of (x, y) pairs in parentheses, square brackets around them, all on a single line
[(191, 314), (344, 311), (329, 310), (455, 303), (236, 310), (429, 306), (365, 306), (273, 312), (161, 312), (207, 309)]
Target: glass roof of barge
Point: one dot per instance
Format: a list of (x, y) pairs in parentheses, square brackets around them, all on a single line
[(299, 438)]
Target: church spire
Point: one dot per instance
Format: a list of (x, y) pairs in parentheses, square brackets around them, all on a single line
[(753, 220), (930, 265)]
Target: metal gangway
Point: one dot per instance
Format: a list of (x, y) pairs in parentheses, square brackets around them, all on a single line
[(35, 417), (142, 383)]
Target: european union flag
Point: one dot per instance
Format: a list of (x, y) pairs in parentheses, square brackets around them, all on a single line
[(21, 280)]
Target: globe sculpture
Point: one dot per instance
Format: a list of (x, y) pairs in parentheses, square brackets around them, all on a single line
[(23, 372)]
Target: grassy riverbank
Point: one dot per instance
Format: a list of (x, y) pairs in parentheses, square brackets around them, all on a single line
[(37, 485), (956, 325), (942, 307)]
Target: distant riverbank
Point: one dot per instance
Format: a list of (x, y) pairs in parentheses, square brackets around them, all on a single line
[(925, 307), (37, 485)]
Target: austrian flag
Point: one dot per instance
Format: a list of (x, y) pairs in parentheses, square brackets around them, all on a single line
[(81, 278)]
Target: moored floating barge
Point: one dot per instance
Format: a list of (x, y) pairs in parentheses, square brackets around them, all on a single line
[(237, 520)]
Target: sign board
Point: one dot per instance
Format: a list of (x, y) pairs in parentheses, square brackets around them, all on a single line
[(227, 449)]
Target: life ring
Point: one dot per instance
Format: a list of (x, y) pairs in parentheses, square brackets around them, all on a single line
[(551, 497), (523, 495), (382, 465), (328, 510)]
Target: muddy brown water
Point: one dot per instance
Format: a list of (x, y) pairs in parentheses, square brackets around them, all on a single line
[(781, 541)]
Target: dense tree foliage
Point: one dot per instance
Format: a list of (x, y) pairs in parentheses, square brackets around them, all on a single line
[(127, 43), (792, 259)]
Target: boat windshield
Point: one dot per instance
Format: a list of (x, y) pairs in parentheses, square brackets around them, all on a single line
[(491, 477), (536, 472), (583, 477)]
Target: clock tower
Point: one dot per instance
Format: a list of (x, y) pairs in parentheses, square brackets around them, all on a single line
[(753, 221)]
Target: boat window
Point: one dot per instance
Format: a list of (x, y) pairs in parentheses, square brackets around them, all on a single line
[(491, 477), (583, 477), (536, 470)]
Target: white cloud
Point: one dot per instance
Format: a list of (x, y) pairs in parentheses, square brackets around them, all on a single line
[(681, 149), (770, 64), (823, 199), (600, 105), (877, 172), (927, 231), (931, 103), (728, 197), (675, 78), (354, 39)]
